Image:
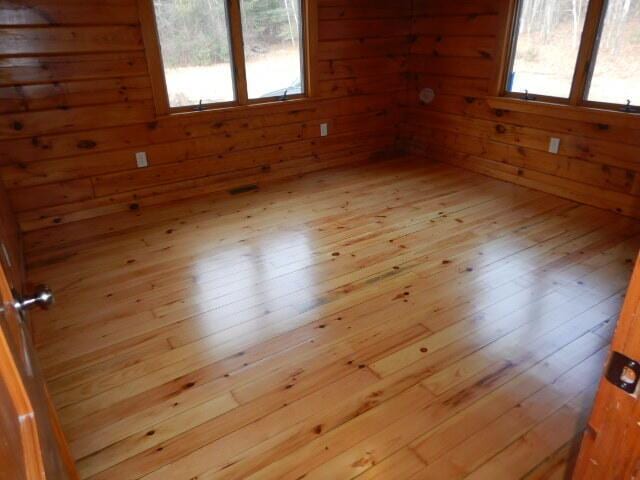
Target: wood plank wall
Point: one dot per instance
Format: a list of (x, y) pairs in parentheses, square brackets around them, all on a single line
[(455, 53), (76, 105), (10, 243)]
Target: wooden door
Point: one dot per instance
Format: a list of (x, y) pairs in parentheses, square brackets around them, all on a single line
[(32, 446), (611, 444)]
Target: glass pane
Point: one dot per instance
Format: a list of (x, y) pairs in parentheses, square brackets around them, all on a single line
[(616, 76), (194, 38), (547, 44), (272, 30)]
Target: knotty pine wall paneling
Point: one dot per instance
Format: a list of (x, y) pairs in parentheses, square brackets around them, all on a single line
[(76, 104), (455, 53), (10, 243)]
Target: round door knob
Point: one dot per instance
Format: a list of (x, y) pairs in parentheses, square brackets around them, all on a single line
[(42, 297)]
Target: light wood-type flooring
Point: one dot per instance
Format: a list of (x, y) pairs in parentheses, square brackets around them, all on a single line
[(397, 320)]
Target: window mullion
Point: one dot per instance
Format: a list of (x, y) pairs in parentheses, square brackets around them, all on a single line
[(237, 45), (588, 49), (155, 63)]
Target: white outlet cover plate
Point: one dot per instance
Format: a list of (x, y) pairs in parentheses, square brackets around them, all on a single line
[(324, 129), (554, 145), (141, 159)]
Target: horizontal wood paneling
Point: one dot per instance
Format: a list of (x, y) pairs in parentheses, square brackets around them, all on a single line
[(17, 71), (455, 53), (10, 243), (77, 105), (27, 40), (55, 12), (63, 95)]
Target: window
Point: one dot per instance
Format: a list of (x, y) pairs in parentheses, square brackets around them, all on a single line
[(196, 51), (228, 52), (272, 47), (616, 72), (582, 52)]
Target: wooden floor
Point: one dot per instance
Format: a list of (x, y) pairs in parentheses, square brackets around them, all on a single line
[(387, 321)]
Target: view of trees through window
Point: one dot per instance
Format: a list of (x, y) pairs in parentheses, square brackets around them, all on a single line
[(616, 75), (271, 30), (548, 40), (196, 49)]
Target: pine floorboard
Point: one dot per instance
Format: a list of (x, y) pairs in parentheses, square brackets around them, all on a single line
[(401, 319)]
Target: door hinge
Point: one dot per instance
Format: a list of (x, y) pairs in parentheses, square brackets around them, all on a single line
[(623, 372)]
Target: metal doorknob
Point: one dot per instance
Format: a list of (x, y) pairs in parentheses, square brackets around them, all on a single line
[(42, 297)]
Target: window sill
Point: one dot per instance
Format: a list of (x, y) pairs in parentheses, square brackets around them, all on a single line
[(567, 112), (212, 110)]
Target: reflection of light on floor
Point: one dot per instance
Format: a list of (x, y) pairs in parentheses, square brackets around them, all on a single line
[(515, 310), (543, 309), (251, 287)]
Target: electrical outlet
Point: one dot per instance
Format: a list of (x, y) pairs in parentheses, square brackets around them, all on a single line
[(324, 129), (554, 145), (141, 159)]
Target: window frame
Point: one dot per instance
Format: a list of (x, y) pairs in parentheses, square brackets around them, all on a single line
[(585, 62), (155, 63)]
